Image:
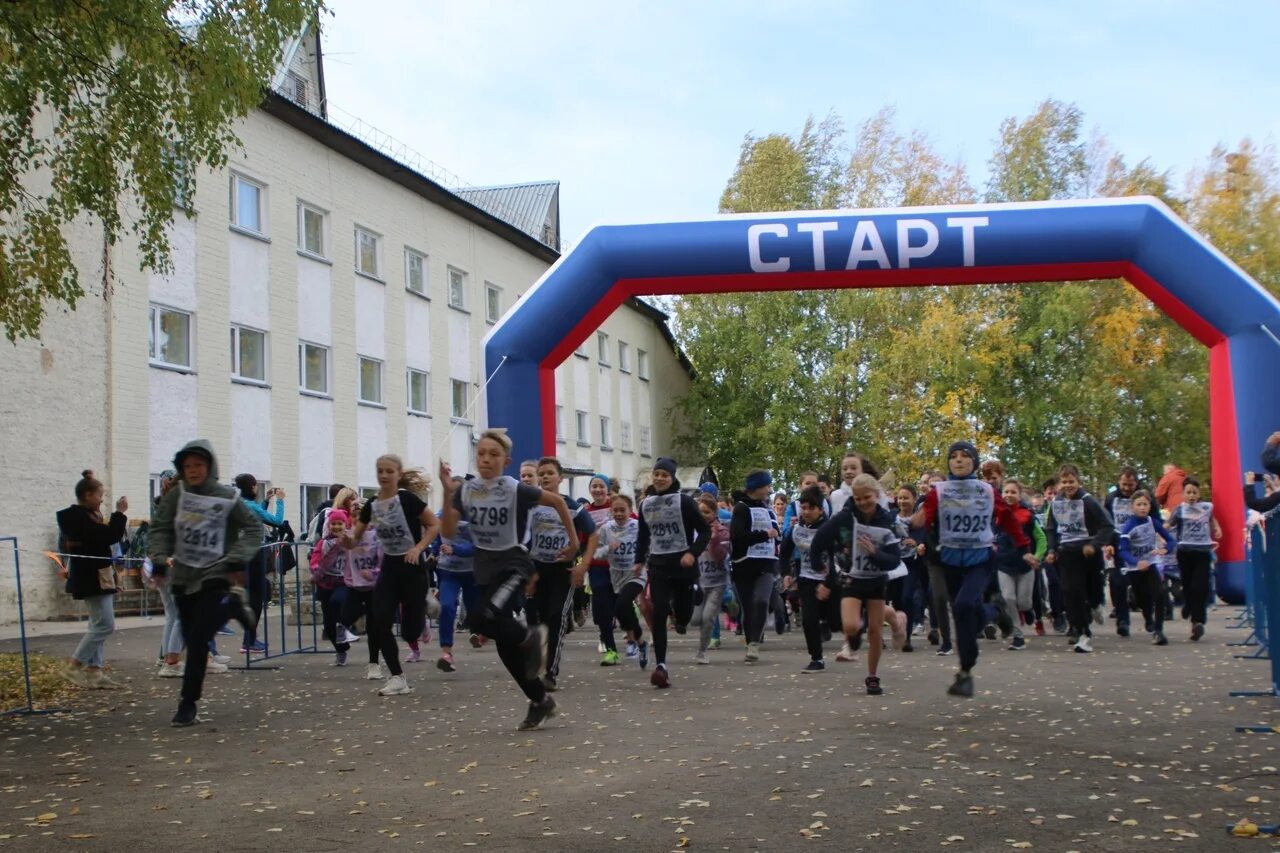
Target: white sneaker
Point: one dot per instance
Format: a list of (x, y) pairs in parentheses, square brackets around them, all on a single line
[(168, 670), (348, 637), (215, 668), (753, 651), (845, 654), (220, 658), (701, 657), (600, 649), (1083, 646), (373, 672), (395, 686)]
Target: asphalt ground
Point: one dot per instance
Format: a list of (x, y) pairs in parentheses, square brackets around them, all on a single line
[(1132, 747)]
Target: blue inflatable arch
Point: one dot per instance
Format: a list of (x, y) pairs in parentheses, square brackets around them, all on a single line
[(1136, 239)]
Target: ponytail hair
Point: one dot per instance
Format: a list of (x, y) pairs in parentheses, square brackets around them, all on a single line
[(87, 484), (413, 480)]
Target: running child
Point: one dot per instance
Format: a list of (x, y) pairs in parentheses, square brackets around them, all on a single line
[(497, 507), (1197, 531), (327, 561), (1016, 568), (618, 545), (1077, 527), (454, 568), (865, 547), (752, 532), (672, 535), (405, 526), (1143, 541), (360, 572), (799, 569), (603, 600), (713, 575)]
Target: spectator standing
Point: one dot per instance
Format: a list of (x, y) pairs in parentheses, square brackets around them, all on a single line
[(1169, 489)]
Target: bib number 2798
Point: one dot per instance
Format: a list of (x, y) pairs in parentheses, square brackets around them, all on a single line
[(490, 516)]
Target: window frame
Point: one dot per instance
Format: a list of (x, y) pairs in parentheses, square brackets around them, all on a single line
[(580, 427), (451, 271), (360, 389), (624, 357), (624, 436), (560, 423), (361, 230), (646, 441), (494, 291), (238, 178), (425, 411), (456, 415), (602, 348), (642, 364), (156, 309), (305, 504), (303, 249), (581, 351), (410, 252), (302, 369), (237, 331), (605, 424)]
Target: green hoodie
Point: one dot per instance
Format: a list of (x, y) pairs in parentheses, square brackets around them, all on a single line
[(244, 529)]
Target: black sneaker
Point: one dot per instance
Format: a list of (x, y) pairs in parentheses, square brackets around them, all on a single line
[(906, 646), (531, 649), (539, 713), (962, 686), (1197, 631), (680, 629), (873, 686), (186, 715), (642, 652), (814, 666), (1073, 638), (934, 637), (1159, 639), (1150, 626), (989, 632), (1018, 644), (1122, 630)]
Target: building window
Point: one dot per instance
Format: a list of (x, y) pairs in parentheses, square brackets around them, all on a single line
[(581, 351), (459, 405), (457, 288), (492, 302), (415, 272), (370, 380), (604, 433), (313, 368), (310, 497), (642, 364), (602, 348), (246, 204), (419, 392), (646, 441), (624, 430), (367, 259), (368, 493), (311, 230), (580, 422), (559, 423), (248, 354), (170, 343), (296, 89), (624, 357)]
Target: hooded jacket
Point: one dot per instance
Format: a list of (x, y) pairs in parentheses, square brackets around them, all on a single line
[(243, 534), (88, 539)]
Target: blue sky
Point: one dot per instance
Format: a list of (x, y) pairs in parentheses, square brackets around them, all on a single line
[(639, 110)]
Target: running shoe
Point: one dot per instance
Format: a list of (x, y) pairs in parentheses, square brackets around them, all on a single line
[(680, 629), (445, 663), (1159, 639), (989, 632), (186, 715), (257, 648), (632, 650), (226, 631), (814, 666), (1122, 630), (220, 658), (396, 686), (715, 643), (701, 657), (580, 617), (415, 656), (643, 653), (962, 686), (934, 637), (77, 674), (1039, 628), (610, 658), (215, 668), (873, 685), (845, 654), (855, 642), (373, 672), (170, 670), (237, 603), (907, 647), (1059, 624), (539, 713), (340, 659), (1197, 631), (1083, 645), (601, 648), (660, 678), (945, 649), (478, 641), (349, 637), (753, 652), (1018, 644), (101, 680)]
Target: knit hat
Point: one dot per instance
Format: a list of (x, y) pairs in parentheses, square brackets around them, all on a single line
[(968, 450), (338, 515), (709, 489), (665, 463), (758, 479), (604, 478)]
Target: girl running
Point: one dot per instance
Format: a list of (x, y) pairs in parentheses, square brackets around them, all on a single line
[(405, 526), (672, 535), (862, 539), (1197, 532), (360, 570), (618, 545), (1078, 528), (327, 561), (713, 576), (752, 532), (603, 600), (1143, 541), (497, 508), (455, 567), (1016, 569)]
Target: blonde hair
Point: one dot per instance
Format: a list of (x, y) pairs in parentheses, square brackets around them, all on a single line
[(499, 435), (411, 479), (345, 494), (865, 481)]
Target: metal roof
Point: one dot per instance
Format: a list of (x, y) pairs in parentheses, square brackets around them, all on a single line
[(534, 208)]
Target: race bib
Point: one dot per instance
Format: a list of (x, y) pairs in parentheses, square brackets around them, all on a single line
[(862, 565), (803, 539), (1068, 515), (763, 519), (547, 536), (1197, 523), (200, 529), (623, 558), (965, 508), (393, 528), (490, 510), (1142, 542), (1121, 510), (362, 564), (666, 524)]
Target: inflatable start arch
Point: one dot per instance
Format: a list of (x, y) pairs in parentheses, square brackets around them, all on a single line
[(1138, 239)]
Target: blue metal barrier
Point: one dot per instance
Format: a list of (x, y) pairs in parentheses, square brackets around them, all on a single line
[(1263, 600), (29, 708), (286, 591)]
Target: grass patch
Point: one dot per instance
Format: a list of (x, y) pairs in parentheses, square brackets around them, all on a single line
[(48, 688)]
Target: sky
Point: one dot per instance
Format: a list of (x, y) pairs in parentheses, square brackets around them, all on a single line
[(640, 109)]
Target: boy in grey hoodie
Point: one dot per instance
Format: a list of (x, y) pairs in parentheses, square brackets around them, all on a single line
[(202, 536)]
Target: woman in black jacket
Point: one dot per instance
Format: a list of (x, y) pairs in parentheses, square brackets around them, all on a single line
[(91, 577)]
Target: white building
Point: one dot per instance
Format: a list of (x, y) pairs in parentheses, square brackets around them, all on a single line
[(327, 305)]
